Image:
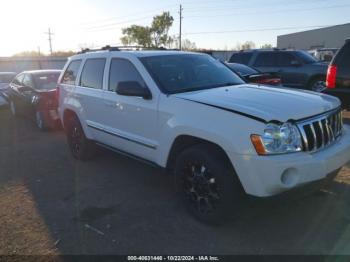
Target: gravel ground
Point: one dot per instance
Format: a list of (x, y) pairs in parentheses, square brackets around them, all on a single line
[(52, 204)]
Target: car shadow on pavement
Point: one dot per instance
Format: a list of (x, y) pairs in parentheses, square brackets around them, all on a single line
[(115, 205)]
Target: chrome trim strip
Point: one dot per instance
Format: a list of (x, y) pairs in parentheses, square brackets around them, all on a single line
[(330, 124), (122, 137), (322, 133), (314, 136)]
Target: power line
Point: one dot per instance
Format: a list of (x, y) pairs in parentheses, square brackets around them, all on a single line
[(256, 30), (271, 12), (50, 39), (121, 17)]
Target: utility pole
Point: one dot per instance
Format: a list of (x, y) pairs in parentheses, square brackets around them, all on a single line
[(50, 39), (180, 34)]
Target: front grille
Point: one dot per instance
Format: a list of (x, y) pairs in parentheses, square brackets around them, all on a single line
[(321, 131)]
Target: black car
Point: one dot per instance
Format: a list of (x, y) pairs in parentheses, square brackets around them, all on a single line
[(338, 77), (297, 68), (251, 75), (5, 80), (34, 93)]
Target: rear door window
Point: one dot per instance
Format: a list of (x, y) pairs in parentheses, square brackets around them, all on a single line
[(344, 56), (266, 59), (92, 74), (241, 58), (286, 59), (70, 75)]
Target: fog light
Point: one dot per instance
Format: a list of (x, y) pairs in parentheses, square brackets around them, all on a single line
[(290, 177)]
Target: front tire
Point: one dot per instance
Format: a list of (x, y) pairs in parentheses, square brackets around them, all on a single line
[(80, 146), (208, 184)]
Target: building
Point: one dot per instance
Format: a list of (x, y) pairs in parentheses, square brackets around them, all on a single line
[(327, 37), (19, 64)]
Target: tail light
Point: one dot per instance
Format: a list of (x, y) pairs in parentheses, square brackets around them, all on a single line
[(331, 76), (269, 81)]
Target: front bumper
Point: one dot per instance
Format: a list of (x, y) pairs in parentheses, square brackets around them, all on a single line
[(270, 175)]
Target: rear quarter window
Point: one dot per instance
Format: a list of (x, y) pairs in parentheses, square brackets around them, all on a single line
[(241, 58), (71, 73), (343, 57)]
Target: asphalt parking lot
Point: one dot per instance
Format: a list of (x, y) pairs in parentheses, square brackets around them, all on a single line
[(52, 204)]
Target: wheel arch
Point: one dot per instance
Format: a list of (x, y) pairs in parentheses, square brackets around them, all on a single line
[(183, 142), (315, 77)]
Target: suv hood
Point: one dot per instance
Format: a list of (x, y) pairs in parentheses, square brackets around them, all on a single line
[(264, 103)]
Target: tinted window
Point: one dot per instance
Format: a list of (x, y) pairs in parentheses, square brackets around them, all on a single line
[(46, 81), (71, 73), (285, 59), (344, 56), (123, 70), (18, 80), (266, 59), (27, 81), (92, 74), (241, 58), (306, 57), (188, 72)]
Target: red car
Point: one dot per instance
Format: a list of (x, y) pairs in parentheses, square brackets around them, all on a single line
[(34, 94)]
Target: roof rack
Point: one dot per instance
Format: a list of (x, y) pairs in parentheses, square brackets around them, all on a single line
[(121, 48)]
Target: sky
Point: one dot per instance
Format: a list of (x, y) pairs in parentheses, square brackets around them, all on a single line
[(211, 24)]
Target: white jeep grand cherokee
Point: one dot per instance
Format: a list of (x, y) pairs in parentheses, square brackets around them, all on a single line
[(189, 113)]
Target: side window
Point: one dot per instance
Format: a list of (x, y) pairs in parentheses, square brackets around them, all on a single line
[(266, 59), (27, 81), (71, 73), (285, 59), (92, 74), (241, 58), (345, 56), (18, 80), (123, 70), (245, 58)]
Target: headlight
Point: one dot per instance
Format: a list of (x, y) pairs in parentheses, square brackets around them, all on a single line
[(278, 139)]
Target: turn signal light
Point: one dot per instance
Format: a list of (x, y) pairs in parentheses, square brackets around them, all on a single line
[(258, 144)]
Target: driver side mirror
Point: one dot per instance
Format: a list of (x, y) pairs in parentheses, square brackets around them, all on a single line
[(133, 88)]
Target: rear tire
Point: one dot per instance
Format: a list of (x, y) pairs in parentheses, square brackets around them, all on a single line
[(318, 84), (80, 146), (208, 184)]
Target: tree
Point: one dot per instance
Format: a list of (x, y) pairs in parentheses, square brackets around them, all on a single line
[(27, 53), (188, 45), (156, 35), (266, 46), (248, 45)]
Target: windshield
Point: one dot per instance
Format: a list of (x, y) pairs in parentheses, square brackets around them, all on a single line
[(307, 57), (189, 72), (46, 81)]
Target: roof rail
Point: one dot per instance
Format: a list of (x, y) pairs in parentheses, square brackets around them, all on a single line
[(122, 48)]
